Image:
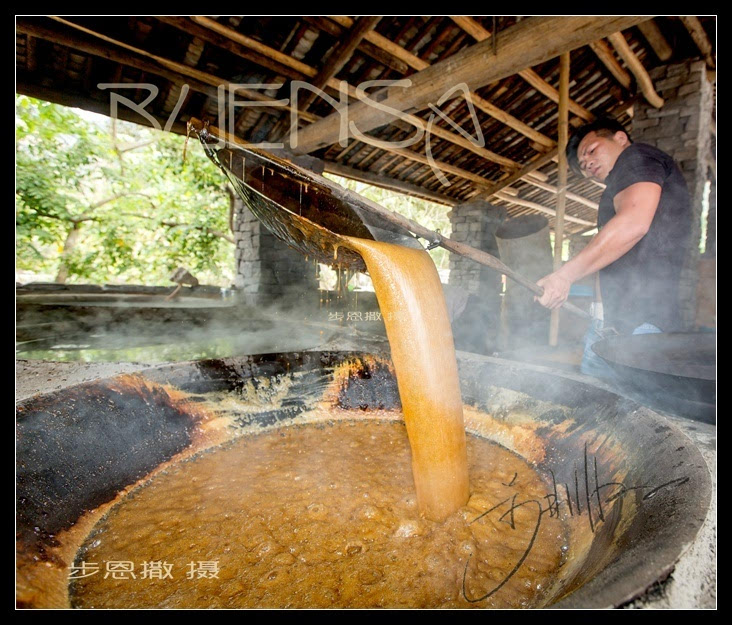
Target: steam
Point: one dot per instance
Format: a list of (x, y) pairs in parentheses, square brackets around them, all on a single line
[(154, 335)]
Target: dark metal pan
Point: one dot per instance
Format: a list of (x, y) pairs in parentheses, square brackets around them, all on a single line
[(675, 373)]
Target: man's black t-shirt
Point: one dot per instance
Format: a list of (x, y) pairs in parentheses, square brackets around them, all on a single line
[(642, 286)]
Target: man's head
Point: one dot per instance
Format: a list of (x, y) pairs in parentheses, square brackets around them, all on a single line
[(594, 148)]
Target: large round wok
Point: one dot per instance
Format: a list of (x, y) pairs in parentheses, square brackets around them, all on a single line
[(675, 373), (639, 489)]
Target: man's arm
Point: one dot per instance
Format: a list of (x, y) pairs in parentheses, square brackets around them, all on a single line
[(635, 208)]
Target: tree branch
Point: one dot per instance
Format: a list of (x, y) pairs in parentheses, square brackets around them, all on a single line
[(134, 146), (174, 224)]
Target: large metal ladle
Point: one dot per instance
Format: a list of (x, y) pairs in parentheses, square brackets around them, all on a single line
[(312, 214)]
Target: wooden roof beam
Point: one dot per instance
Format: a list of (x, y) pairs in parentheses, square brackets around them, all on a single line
[(527, 169), (511, 121), (420, 158), (259, 47), (656, 40), (333, 83), (607, 58), (552, 189), (489, 109), (540, 208), (525, 44), (392, 184), (457, 139), (341, 54), (90, 104), (699, 35), (189, 27), (171, 70), (532, 167), (641, 75), (368, 48), (476, 30)]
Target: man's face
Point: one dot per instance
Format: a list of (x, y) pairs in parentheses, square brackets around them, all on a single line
[(597, 154)]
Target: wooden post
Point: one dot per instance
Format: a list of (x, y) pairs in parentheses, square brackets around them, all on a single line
[(562, 181)]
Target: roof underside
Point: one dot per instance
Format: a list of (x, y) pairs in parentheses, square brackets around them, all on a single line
[(65, 59)]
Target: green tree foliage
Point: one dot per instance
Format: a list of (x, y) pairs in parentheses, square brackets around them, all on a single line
[(101, 201)]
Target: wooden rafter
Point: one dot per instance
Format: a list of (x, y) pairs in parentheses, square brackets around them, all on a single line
[(299, 66), (421, 158), (368, 48), (641, 75), (189, 27), (385, 182), (213, 80), (331, 82), (448, 150), (699, 35), (141, 60), (656, 40), (555, 190), (476, 30), (479, 33), (89, 104), (488, 108), (341, 54), (404, 153), (527, 169), (528, 43), (539, 207), (607, 58)]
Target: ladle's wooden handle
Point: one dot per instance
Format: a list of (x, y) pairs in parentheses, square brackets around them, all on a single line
[(461, 249), (479, 256), (484, 258)]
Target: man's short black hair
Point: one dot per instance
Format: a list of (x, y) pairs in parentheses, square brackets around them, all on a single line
[(604, 126)]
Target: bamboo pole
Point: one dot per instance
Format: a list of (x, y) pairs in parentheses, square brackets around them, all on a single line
[(562, 182)]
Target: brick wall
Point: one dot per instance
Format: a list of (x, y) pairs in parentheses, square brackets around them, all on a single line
[(268, 271), (475, 224), (682, 128)]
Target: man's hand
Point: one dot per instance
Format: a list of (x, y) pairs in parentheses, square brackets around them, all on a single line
[(556, 290)]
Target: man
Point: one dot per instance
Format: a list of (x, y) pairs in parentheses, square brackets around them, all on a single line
[(644, 220)]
